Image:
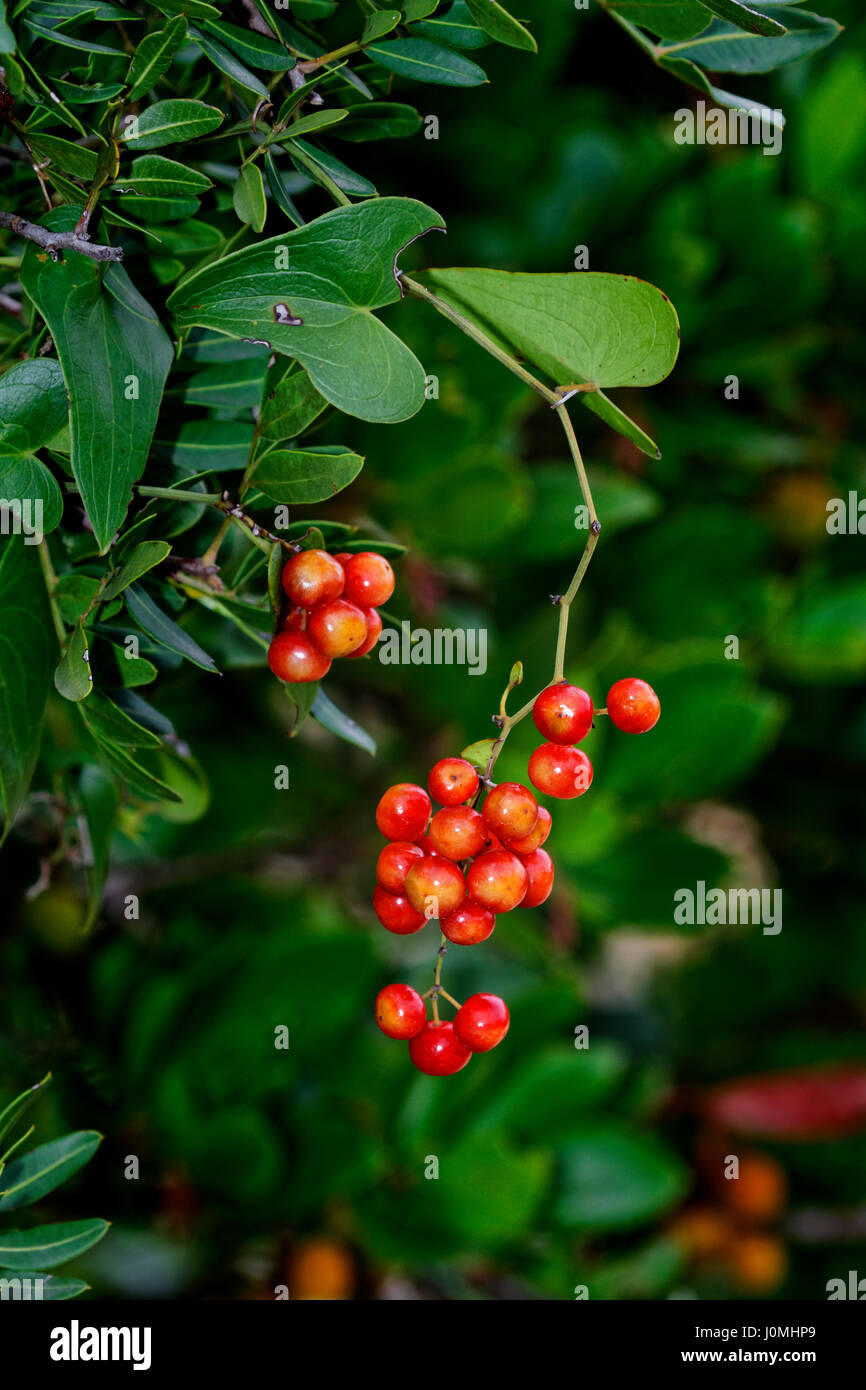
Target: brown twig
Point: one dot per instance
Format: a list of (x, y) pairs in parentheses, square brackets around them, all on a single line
[(55, 242)]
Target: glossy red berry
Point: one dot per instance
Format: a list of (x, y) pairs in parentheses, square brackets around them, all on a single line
[(510, 810), (374, 632), (563, 713), (312, 577), (396, 913), (560, 772), (497, 880), (394, 863), (426, 844), (536, 837), (482, 1022), (400, 1011), (458, 832), (369, 579), (295, 619), (539, 874), (452, 781), (435, 886), (292, 657), (403, 812), (633, 706), (337, 628), (468, 924), (438, 1051)]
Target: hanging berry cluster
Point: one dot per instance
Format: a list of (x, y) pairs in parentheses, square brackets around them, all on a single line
[(463, 865), (332, 611)]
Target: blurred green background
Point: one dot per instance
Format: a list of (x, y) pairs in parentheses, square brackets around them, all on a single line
[(557, 1168)]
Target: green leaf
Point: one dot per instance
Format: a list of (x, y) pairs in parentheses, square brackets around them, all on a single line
[(73, 594), (248, 197), (28, 652), (115, 357), (143, 558), (822, 639), (48, 1246), (72, 159), (333, 168), (478, 754), (20, 1105), (109, 723), (325, 712), (305, 475), (31, 1177), (235, 386), (224, 59), (163, 630), (500, 25), (33, 399), (317, 120), (319, 309), (255, 49), (727, 48), (425, 61), (51, 1289), (279, 192), (611, 1180), (97, 797), (275, 575), (676, 19), (169, 123), (377, 120), (153, 57), (590, 327), (454, 28), (155, 176), (292, 405), (28, 479), (378, 24), (745, 17), (73, 679), (417, 9), (212, 445), (68, 40)]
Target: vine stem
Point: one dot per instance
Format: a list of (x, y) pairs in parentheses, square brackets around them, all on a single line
[(50, 585), (557, 398)]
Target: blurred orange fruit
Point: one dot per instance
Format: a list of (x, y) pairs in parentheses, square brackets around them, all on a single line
[(760, 1193), (757, 1263), (321, 1268), (703, 1233)]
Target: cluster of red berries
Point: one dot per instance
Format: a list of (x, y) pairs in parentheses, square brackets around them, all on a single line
[(463, 866), (564, 713), (332, 611)]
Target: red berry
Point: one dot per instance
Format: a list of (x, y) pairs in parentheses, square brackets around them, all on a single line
[(438, 1051), (403, 812), (468, 924), (482, 1022), (458, 832), (394, 863), (536, 837), (369, 579), (337, 628), (497, 880), (396, 913), (633, 706), (435, 886), (374, 629), (563, 713), (539, 873), (343, 557), (426, 844), (400, 1011), (510, 810), (452, 781), (560, 772), (312, 577), (292, 657)]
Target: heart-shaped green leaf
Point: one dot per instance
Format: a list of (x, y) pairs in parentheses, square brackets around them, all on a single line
[(24, 477), (115, 357), (311, 295), (580, 328)]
